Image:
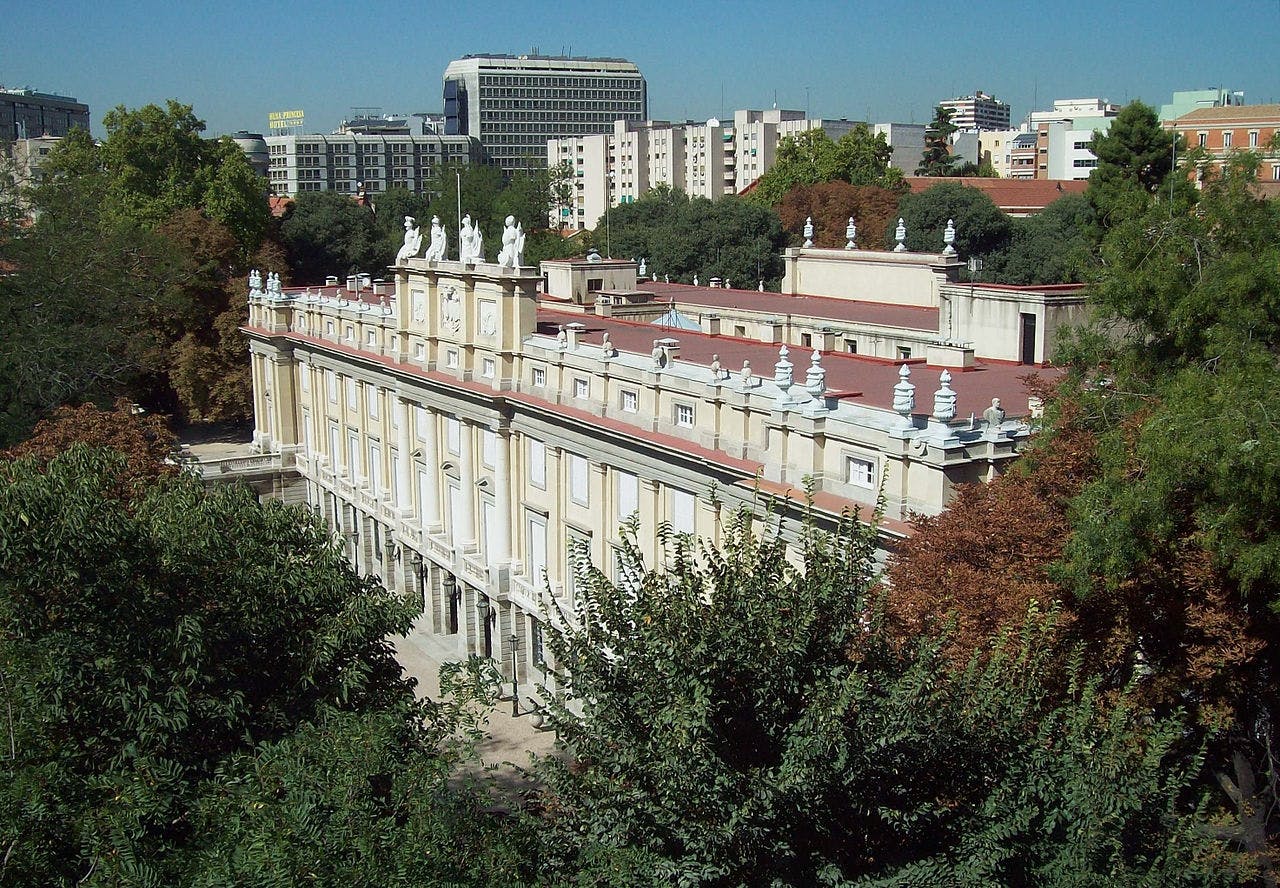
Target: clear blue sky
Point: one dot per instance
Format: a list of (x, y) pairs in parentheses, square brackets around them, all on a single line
[(235, 61)]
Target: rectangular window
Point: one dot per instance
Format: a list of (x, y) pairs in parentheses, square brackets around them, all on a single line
[(488, 368), (539, 376), (904, 352), (304, 377), (578, 479), (1203, 139), (371, 396), (684, 416), (451, 359), (682, 511), (581, 388), (331, 385), (1226, 139), (375, 468), (859, 472), (351, 333), (453, 435), (489, 448), (628, 493), (352, 394), (457, 533), (630, 401), (536, 529), (371, 338), (335, 448), (1253, 138), (421, 423), (537, 464), (353, 454)]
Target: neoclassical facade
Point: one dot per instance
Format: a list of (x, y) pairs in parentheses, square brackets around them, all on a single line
[(471, 433)]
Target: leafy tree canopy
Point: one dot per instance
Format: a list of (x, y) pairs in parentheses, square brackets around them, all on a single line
[(936, 159), (858, 157), (1134, 156), (981, 228), (729, 238)]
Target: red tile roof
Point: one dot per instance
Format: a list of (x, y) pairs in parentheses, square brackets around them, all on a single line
[(1010, 195), (827, 307)]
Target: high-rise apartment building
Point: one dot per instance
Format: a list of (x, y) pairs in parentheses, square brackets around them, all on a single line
[(514, 104), (26, 114), (344, 161), (978, 112), (709, 159), (1063, 136)]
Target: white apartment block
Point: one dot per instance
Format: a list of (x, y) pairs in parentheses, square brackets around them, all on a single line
[(1064, 134), (342, 161), (978, 112), (907, 142), (514, 104), (708, 159)]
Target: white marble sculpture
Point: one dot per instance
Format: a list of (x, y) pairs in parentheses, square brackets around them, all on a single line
[(949, 239), (255, 280), (412, 240), (851, 235), (439, 241), (642, 271), (900, 235), (470, 245), (511, 254), (808, 231)]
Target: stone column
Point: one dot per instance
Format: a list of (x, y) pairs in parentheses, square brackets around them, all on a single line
[(404, 482), (430, 510), (466, 535), (501, 556)]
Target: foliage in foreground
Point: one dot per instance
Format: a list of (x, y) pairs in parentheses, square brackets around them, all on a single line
[(198, 689), (729, 719)]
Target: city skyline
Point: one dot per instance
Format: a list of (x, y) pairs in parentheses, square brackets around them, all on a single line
[(890, 64)]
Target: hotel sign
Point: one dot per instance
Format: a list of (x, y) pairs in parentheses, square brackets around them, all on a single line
[(278, 120)]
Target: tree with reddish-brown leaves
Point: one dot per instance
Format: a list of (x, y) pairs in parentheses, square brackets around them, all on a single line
[(144, 440), (830, 204)]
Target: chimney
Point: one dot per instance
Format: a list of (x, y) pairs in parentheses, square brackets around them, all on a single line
[(352, 284), (366, 280), (604, 306), (381, 288), (670, 347), (331, 281), (574, 333), (713, 325)]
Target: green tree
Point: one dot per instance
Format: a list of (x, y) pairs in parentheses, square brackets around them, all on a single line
[(811, 157), (936, 160), (151, 632), (728, 238), (1135, 155), (981, 228), (730, 719), (1055, 246), (328, 233)]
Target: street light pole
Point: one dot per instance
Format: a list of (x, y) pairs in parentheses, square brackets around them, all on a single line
[(515, 686), (608, 248)]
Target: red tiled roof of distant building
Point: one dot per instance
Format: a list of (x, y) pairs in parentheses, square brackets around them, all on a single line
[(1230, 114), (1010, 195), (849, 310)]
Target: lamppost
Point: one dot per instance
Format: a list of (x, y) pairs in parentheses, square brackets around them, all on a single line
[(515, 686), (482, 606), (420, 570), (608, 248)]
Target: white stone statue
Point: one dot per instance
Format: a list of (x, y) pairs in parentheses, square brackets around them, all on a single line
[(642, 271), (606, 345), (994, 415), (808, 231), (562, 338), (255, 280), (851, 234), (695, 280), (728, 285), (439, 241), (666, 278), (949, 239), (715, 368), (761, 287), (511, 254), (412, 240), (745, 376), (469, 249)]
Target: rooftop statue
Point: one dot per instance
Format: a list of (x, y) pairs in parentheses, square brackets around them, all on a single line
[(412, 240), (512, 253), (468, 241), (900, 235), (439, 241), (808, 231), (851, 235)]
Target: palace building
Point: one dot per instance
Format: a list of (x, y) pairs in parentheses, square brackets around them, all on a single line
[(474, 430)]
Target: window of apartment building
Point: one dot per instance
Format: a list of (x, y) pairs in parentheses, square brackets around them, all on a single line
[(331, 385), (371, 338), (627, 492), (859, 472), (536, 547), (539, 376), (335, 446), (537, 463), (353, 453), (904, 352), (581, 388), (1080, 146), (352, 396), (1275, 172), (682, 511), (630, 401), (375, 467), (1226, 138), (806, 339), (578, 491), (371, 396), (453, 435), (1253, 138), (419, 351), (851, 346), (684, 415), (740, 331), (1202, 139), (451, 358), (350, 334), (304, 377), (488, 368)]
